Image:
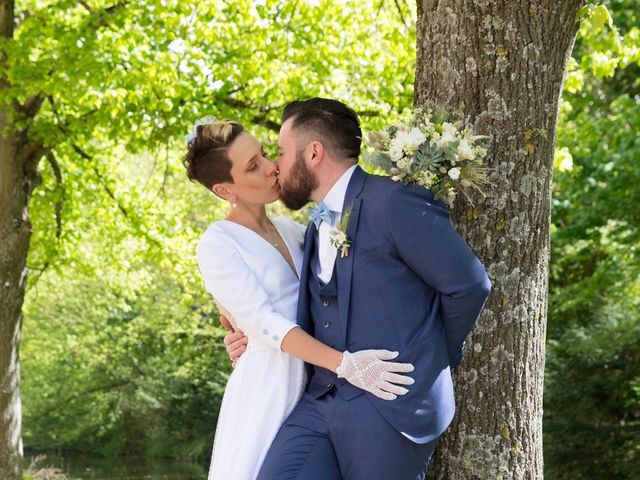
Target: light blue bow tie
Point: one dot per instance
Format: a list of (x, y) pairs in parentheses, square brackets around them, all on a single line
[(321, 214)]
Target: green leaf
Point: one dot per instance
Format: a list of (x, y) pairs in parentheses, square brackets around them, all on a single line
[(600, 16)]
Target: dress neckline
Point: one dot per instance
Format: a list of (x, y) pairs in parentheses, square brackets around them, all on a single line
[(293, 270)]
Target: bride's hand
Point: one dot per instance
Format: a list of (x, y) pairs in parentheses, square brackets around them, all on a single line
[(368, 370), (235, 342)]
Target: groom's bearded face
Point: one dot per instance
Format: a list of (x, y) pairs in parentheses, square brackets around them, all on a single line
[(296, 191)]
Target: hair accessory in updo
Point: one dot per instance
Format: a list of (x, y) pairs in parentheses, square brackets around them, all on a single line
[(193, 134)]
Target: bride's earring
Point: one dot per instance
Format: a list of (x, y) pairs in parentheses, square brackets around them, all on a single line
[(233, 202)]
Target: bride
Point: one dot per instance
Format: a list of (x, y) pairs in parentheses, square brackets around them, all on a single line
[(251, 266)]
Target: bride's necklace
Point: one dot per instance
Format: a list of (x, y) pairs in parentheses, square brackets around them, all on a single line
[(274, 233), (271, 236)]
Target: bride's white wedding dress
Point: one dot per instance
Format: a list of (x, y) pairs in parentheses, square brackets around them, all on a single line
[(250, 279)]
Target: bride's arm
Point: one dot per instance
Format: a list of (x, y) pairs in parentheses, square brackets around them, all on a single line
[(302, 345), (233, 284), (241, 298)]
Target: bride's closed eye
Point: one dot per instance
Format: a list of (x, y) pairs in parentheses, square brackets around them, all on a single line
[(252, 167)]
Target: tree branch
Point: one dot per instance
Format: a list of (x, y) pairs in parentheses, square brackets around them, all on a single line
[(87, 7), (27, 151), (103, 182), (368, 113), (6, 18), (293, 14), (101, 388), (257, 119), (60, 201), (401, 13), (31, 106), (35, 278), (102, 18), (133, 220), (262, 119)]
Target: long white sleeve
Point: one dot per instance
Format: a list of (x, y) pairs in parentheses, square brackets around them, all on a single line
[(234, 285)]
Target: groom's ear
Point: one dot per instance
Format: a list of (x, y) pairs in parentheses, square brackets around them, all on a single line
[(316, 150)]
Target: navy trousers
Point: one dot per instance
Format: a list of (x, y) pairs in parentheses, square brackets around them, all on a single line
[(332, 439)]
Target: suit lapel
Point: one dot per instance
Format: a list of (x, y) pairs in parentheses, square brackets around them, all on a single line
[(344, 265), (304, 314)]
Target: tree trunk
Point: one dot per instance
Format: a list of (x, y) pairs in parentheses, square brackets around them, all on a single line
[(15, 233), (501, 64), (18, 178), (19, 159)]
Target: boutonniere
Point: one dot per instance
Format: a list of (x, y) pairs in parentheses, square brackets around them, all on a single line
[(338, 234)]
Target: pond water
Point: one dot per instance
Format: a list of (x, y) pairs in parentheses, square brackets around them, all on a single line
[(98, 468)]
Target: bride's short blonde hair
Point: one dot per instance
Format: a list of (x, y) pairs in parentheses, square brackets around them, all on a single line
[(207, 160)]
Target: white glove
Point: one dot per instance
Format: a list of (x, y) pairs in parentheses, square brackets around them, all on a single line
[(367, 370)]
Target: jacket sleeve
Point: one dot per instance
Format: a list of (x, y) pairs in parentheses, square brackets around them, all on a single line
[(428, 243), (235, 287)]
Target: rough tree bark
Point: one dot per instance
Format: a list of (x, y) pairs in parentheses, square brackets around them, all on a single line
[(18, 177), (501, 63)]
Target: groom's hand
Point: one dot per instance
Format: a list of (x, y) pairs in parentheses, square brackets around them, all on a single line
[(235, 342), (372, 370)]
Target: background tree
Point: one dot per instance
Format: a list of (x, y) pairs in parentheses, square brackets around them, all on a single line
[(502, 64), (592, 380)]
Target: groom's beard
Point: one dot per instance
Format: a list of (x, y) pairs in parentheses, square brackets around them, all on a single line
[(297, 191)]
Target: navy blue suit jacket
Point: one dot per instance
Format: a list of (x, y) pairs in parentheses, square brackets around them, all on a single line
[(409, 284)]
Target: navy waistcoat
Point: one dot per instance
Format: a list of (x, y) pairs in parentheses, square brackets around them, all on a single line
[(327, 329)]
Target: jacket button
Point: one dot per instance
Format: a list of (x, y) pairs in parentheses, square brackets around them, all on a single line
[(325, 303), (327, 324)]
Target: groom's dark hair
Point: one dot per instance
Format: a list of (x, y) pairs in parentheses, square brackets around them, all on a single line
[(333, 122)]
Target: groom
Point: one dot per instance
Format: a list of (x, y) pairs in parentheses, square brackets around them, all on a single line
[(407, 282)]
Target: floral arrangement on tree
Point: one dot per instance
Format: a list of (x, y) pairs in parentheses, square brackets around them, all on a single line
[(443, 156)]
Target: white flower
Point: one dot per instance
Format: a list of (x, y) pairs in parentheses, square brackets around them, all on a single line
[(395, 151), (465, 152), (340, 241), (402, 164), (428, 178), (410, 140), (338, 236), (426, 126), (454, 173), (448, 135), (416, 137)]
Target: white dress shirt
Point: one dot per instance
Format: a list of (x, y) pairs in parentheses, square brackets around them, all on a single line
[(334, 201)]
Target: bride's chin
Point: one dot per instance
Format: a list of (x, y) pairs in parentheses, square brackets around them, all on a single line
[(274, 198)]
